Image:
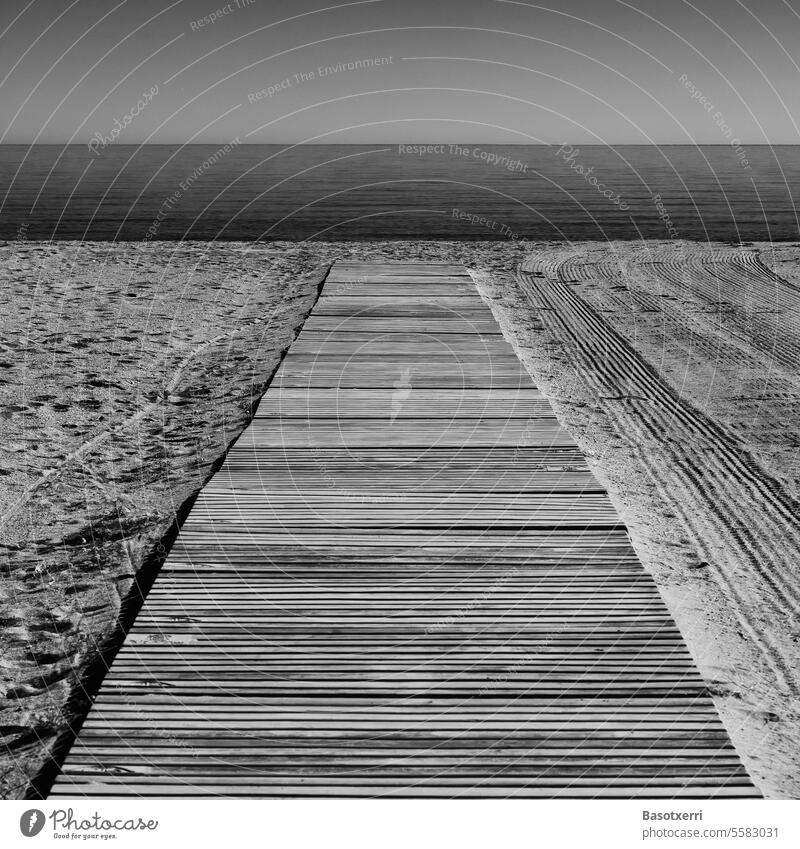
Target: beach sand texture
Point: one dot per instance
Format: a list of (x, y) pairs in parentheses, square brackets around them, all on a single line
[(98, 457), (127, 370), (674, 367)]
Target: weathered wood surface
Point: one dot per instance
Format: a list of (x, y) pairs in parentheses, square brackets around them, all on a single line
[(404, 581)]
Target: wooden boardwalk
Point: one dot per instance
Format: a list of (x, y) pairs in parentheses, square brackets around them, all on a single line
[(404, 581)]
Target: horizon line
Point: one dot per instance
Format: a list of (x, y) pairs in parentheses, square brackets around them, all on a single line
[(742, 143)]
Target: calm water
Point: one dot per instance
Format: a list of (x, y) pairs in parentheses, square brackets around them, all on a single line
[(377, 191)]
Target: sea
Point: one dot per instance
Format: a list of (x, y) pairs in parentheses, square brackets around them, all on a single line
[(399, 191)]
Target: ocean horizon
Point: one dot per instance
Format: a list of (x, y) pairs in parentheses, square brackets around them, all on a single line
[(434, 190)]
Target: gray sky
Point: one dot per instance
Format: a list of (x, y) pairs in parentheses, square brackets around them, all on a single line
[(579, 71)]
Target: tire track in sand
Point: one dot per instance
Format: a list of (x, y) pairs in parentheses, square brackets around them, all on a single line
[(739, 518)]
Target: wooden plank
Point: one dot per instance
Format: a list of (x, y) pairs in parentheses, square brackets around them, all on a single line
[(453, 309), (288, 403), (360, 433), (413, 333), (434, 327), (419, 346), (399, 287), (416, 360), (393, 272), (403, 581)]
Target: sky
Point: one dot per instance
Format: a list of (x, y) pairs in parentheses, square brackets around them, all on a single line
[(419, 71)]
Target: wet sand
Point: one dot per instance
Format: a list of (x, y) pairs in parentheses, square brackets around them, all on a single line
[(129, 368)]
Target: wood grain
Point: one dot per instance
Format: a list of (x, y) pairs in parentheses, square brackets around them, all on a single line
[(404, 581)]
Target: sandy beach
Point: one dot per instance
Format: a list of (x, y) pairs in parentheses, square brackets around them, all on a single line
[(672, 366), (129, 368)]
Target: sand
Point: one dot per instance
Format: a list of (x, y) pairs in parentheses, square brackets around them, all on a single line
[(674, 365), (127, 371), (129, 368)]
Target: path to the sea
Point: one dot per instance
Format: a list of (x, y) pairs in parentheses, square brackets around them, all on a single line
[(404, 581)]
